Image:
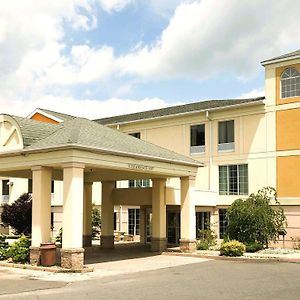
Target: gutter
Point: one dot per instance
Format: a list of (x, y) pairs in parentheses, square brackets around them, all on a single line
[(274, 61), (185, 113)]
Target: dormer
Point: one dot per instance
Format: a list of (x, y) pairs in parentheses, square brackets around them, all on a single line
[(49, 116), (282, 79)]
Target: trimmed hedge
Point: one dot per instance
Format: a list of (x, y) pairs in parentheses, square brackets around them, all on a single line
[(232, 248)]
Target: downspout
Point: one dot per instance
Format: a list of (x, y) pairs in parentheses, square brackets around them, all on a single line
[(210, 149)]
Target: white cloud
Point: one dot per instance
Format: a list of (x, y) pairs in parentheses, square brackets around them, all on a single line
[(114, 5), (93, 109), (208, 37), (253, 93)]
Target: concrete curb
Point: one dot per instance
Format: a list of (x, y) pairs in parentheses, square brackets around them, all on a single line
[(54, 269), (240, 258)]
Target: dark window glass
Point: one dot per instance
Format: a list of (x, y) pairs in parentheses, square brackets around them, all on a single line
[(5, 187), (222, 222), (52, 186), (136, 135), (30, 186), (115, 221), (226, 132), (52, 221), (202, 221), (198, 135)]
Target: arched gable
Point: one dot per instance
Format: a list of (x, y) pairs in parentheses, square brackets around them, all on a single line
[(10, 134)]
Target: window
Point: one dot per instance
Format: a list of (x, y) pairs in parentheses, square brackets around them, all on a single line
[(202, 221), (139, 183), (52, 221), (5, 187), (197, 138), (134, 221), (5, 190), (226, 135), (136, 135), (233, 180), (52, 186), (222, 222), (30, 186), (290, 83), (115, 221)]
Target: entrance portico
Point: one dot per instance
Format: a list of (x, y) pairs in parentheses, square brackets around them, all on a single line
[(80, 152)]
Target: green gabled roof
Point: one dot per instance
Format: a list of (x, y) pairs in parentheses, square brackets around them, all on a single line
[(83, 133), (63, 117), (179, 109), (32, 130), (285, 56)]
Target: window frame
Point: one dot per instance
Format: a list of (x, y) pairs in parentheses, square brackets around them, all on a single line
[(222, 223), (240, 183), (197, 149), (226, 146), (295, 77), (135, 212)]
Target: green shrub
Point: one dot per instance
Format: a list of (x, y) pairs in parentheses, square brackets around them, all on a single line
[(3, 248), (19, 250), (254, 247), (296, 242), (232, 248), (206, 238), (58, 238), (256, 219), (202, 245)]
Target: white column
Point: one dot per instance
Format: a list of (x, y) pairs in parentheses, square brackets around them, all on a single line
[(41, 205), (72, 206), (107, 214), (159, 240), (187, 216), (87, 214)]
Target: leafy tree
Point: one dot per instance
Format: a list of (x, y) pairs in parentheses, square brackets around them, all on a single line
[(18, 215), (254, 220), (96, 221)]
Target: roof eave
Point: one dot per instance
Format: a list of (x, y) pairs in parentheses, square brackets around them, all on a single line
[(278, 60), (187, 113), (98, 150)]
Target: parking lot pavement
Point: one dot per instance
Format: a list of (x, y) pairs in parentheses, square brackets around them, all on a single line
[(17, 281), (206, 280)]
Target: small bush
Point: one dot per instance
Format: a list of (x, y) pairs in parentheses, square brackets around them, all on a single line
[(19, 250), (254, 247), (296, 242), (58, 238), (206, 238), (202, 245), (232, 248), (3, 248)]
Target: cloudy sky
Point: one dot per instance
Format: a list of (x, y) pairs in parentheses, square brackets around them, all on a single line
[(97, 58)]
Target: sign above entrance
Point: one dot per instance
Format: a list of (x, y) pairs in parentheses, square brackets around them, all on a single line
[(140, 167)]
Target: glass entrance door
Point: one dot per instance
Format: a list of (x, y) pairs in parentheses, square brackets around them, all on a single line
[(173, 227)]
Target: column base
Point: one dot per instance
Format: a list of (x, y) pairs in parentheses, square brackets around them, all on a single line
[(188, 245), (87, 240), (72, 258), (107, 241), (35, 256), (158, 244)]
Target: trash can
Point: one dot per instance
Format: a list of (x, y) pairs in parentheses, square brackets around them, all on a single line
[(48, 254)]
